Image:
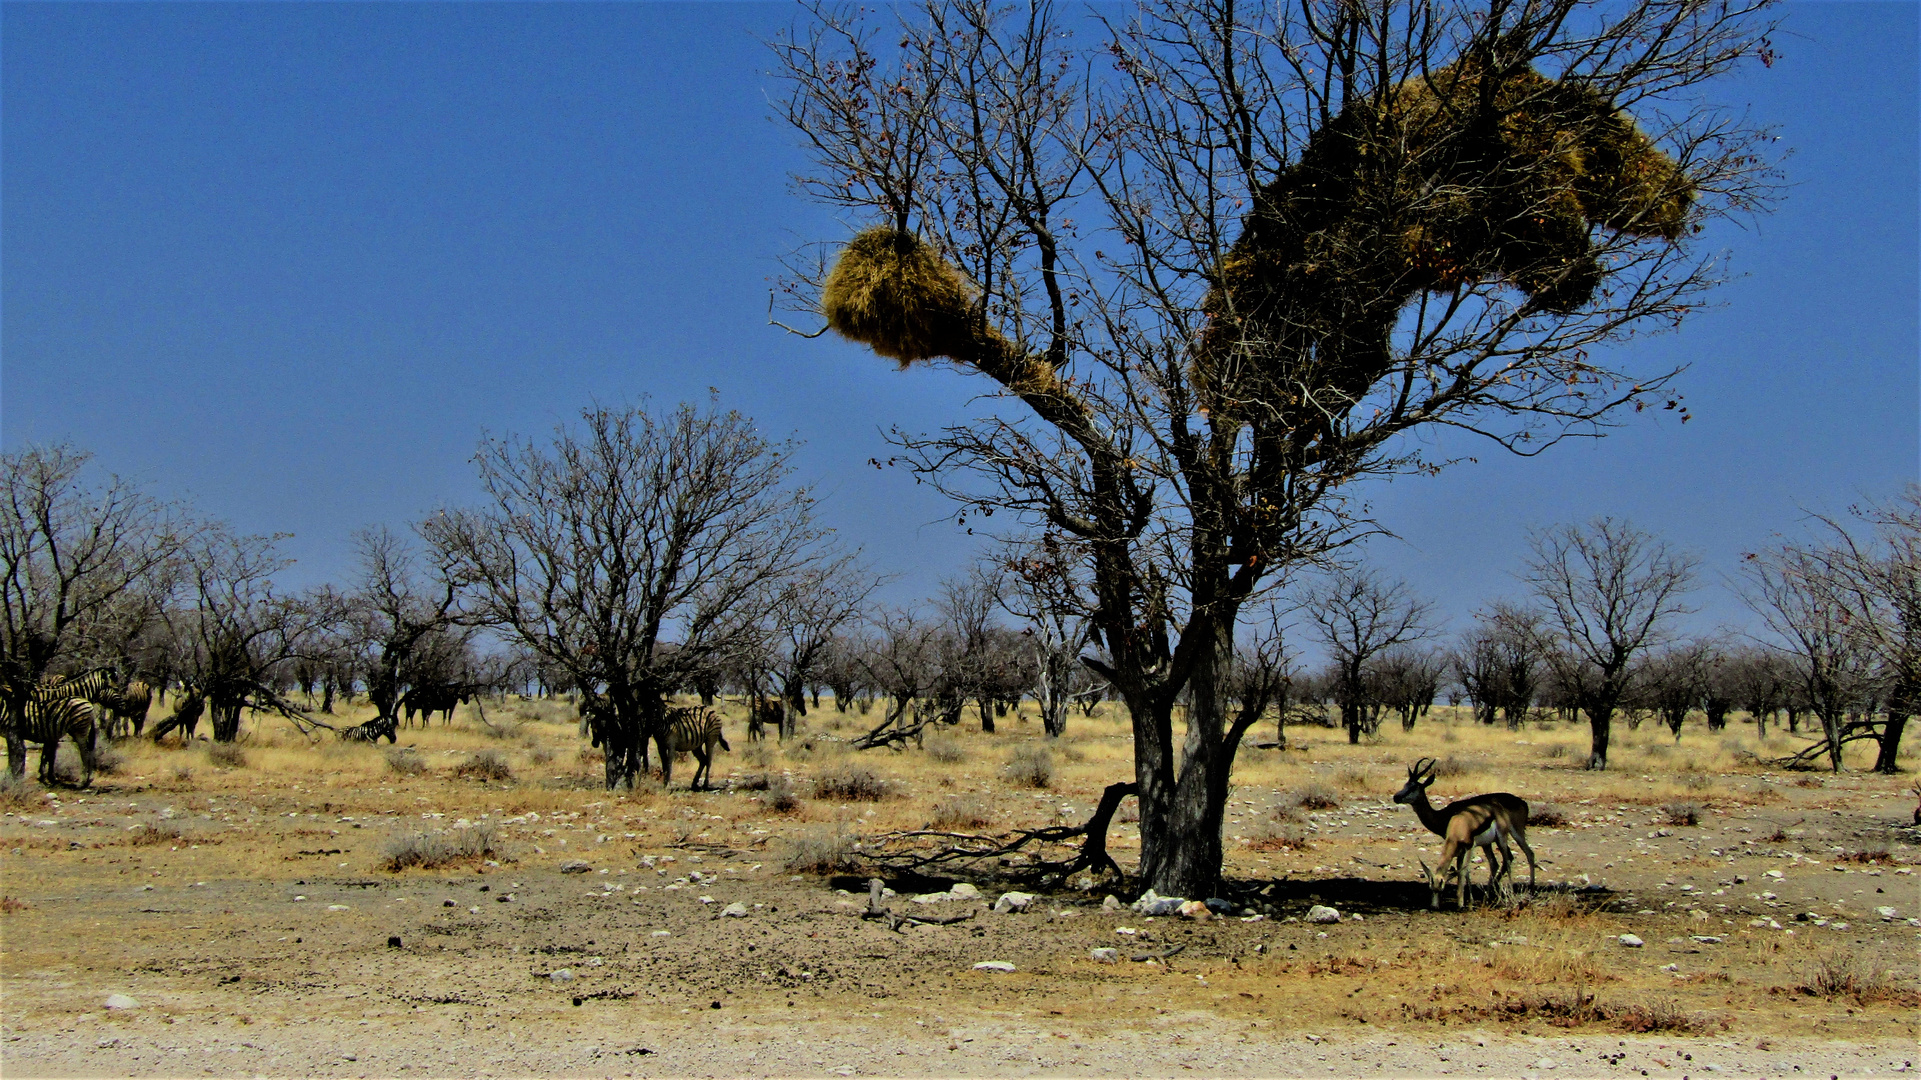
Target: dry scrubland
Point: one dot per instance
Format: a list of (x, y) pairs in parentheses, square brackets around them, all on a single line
[(289, 906)]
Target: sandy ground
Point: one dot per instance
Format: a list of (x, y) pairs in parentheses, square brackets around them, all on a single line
[(262, 938)]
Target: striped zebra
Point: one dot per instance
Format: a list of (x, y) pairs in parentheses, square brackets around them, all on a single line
[(47, 722), (126, 709), (92, 685), (690, 730), (380, 727)]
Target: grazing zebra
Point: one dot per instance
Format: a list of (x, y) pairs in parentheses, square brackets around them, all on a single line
[(127, 708), (760, 712), (380, 727), (428, 699), (185, 718), (46, 723), (90, 686), (691, 730)]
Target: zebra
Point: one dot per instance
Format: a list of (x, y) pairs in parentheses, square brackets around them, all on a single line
[(762, 710), (185, 718), (380, 727), (427, 699), (47, 722), (91, 686), (691, 730), (127, 708)]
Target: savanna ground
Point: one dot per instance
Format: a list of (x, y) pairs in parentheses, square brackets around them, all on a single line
[(246, 903)]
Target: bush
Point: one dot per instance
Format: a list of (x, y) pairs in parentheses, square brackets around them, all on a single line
[(1312, 797), (539, 755), (759, 755), (226, 755), (108, 760), (1874, 855), (1557, 751), (183, 774), (961, 812), (484, 765), (165, 832), (406, 761), (755, 782), (1278, 834), (429, 851), (822, 852), (1683, 813), (17, 793), (850, 783), (1451, 766), (1352, 776), (946, 751), (1547, 816), (1031, 767), (781, 796), (1840, 976)]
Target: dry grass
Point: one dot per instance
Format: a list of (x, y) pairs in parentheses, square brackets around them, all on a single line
[(157, 834), (1312, 797), (1030, 767), (8, 905), (961, 812), (848, 782), (1576, 1008), (431, 851), (1682, 813), (405, 761), (1838, 976), (17, 793), (226, 756), (945, 750), (822, 851), (488, 765)]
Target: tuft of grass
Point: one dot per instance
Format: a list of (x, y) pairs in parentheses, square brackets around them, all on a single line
[(539, 755), (1874, 855), (1030, 767), (183, 774), (946, 751), (1547, 816), (226, 755), (1278, 834), (1312, 797), (1683, 813), (109, 761), (822, 851), (430, 851), (406, 761), (484, 765), (1557, 751), (8, 905), (1575, 1009), (758, 755), (1838, 976), (154, 835), (781, 796), (755, 782), (1353, 777), (961, 812), (17, 793), (1452, 766), (850, 783), (1698, 781)]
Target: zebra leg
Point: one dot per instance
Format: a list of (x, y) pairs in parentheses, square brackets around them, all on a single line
[(88, 751)]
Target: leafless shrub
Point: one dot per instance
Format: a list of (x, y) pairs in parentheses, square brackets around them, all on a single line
[(183, 774), (505, 732), (406, 761), (961, 812), (1838, 976), (155, 834), (1031, 767), (946, 751), (758, 755), (1452, 766), (1557, 751), (429, 851), (484, 765), (1278, 834), (1874, 855), (1696, 781), (1312, 797), (17, 793), (755, 782), (1547, 816), (1682, 813), (781, 796), (226, 755), (108, 760), (850, 783), (822, 851), (1353, 777), (1072, 753), (8, 905)]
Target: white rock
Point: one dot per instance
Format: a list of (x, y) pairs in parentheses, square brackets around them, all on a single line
[(1195, 909), (1544, 1063), (336, 907), (1321, 913), (1630, 941), (576, 866), (561, 976), (1153, 903), (735, 910), (964, 891), (1111, 903), (1105, 956), (1887, 912), (998, 966), (1013, 901), (121, 1001)]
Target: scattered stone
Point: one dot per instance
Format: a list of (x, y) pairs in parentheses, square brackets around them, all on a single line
[(393, 941), (1707, 939), (706, 899), (735, 910), (1153, 903), (336, 907), (1321, 913), (446, 903), (1013, 901), (1111, 903), (1195, 909), (1001, 967), (1887, 913), (1631, 941), (562, 976), (1776, 874), (964, 891), (576, 866), (121, 1001), (1544, 1063), (1219, 906), (1105, 956)]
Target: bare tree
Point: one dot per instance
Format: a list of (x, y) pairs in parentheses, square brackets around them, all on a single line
[(1405, 679), (85, 564), (1881, 577), (1219, 263), (823, 600), (1673, 681), (1041, 591), (626, 535), (1500, 662), (393, 608), (1358, 616), (1611, 593), (904, 658), (1758, 682), (233, 637)]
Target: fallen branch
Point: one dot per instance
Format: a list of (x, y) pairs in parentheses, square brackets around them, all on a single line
[(908, 852), (877, 909)]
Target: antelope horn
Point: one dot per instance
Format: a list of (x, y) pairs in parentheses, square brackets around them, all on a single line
[(1425, 764), (1426, 873)]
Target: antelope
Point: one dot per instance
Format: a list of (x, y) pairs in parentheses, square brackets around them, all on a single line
[(1483, 821)]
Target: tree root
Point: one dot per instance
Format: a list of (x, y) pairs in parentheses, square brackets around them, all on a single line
[(921, 851)]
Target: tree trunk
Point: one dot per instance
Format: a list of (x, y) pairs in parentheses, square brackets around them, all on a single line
[(1884, 761), (1600, 717), (987, 715), (226, 719)]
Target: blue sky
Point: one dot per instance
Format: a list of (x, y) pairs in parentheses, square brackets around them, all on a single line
[(291, 260)]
